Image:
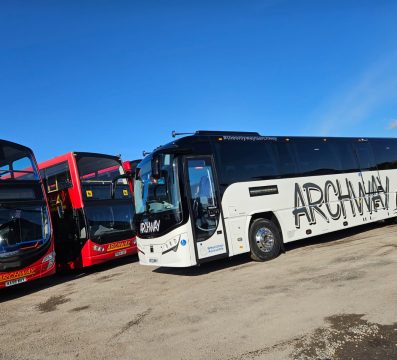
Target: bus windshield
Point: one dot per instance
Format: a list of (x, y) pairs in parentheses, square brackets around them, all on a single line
[(24, 219), (18, 169), (157, 195), (99, 169), (108, 200), (110, 222), (22, 228)]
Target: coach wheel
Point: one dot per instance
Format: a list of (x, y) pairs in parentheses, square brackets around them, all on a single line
[(265, 240)]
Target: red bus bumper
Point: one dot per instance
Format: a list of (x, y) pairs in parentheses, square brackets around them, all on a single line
[(43, 267), (94, 254)]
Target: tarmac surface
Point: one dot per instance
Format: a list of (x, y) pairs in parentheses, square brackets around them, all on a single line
[(332, 297)]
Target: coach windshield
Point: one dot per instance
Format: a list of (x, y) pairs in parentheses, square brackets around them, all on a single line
[(154, 195)]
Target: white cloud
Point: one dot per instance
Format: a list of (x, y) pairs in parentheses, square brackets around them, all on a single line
[(373, 88), (393, 124)]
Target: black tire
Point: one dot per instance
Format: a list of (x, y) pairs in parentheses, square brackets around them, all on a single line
[(267, 248)]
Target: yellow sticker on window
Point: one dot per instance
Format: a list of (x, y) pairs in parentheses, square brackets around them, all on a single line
[(125, 192), (88, 193)]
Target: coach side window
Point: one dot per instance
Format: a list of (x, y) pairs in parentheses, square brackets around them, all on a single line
[(385, 152), (285, 159), (365, 155), (246, 161), (345, 152), (317, 157)]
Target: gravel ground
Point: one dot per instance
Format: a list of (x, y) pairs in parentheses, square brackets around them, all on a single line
[(333, 297)]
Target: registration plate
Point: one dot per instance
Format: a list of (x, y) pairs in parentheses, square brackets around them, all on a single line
[(15, 282), (120, 253)]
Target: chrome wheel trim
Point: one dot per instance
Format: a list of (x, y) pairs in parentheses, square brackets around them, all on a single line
[(264, 238)]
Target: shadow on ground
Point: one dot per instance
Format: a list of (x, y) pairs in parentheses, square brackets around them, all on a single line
[(62, 278), (218, 265), (234, 263)]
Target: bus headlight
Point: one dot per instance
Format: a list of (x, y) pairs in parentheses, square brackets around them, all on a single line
[(98, 248), (50, 258)]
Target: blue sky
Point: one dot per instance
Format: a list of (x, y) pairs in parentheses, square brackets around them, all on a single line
[(118, 76)]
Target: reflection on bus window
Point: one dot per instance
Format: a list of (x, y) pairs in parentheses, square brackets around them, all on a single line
[(202, 198)]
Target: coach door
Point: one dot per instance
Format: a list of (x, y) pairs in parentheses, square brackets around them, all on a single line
[(205, 209)]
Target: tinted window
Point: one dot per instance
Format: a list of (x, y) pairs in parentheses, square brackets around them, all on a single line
[(385, 152), (320, 157), (286, 162), (99, 169), (365, 155), (246, 161), (317, 157), (345, 152)]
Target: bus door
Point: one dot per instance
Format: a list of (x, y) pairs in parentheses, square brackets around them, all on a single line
[(370, 180), (205, 209)]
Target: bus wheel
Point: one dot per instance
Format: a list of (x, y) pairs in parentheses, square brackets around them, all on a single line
[(265, 240)]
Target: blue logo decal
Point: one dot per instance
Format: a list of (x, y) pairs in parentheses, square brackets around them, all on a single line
[(183, 242)]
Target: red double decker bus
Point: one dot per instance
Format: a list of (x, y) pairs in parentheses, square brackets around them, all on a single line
[(91, 208), (26, 241)]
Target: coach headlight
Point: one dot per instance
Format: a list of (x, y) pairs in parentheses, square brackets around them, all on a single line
[(171, 245)]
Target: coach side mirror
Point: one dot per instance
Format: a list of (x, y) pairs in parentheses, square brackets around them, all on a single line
[(155, 167)]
